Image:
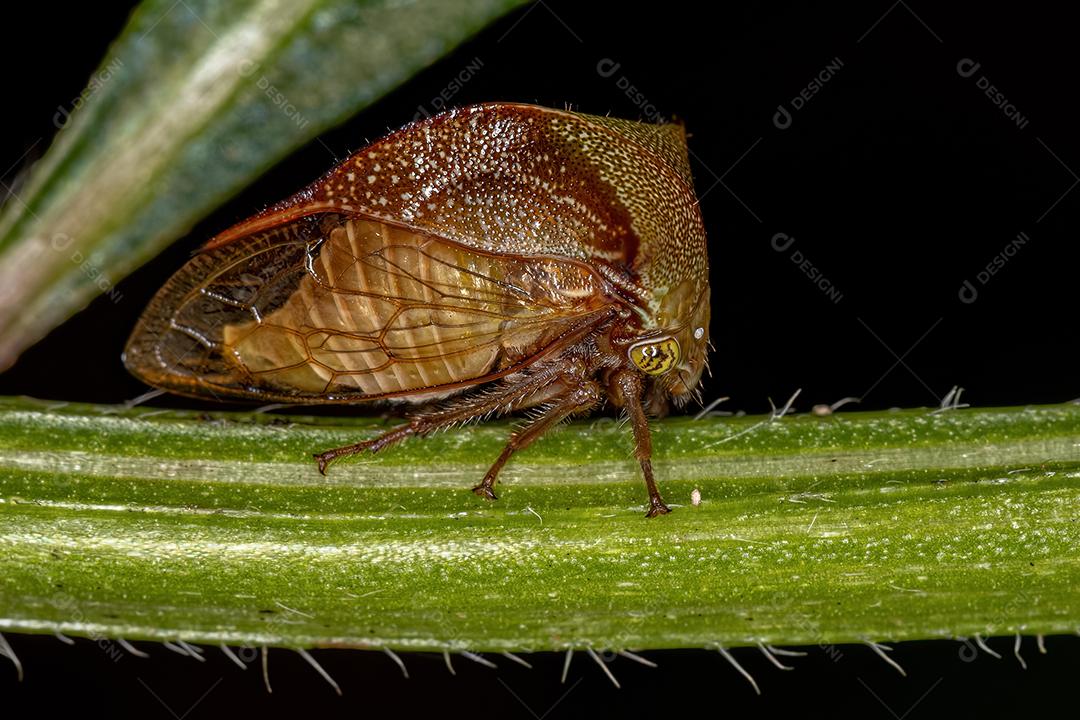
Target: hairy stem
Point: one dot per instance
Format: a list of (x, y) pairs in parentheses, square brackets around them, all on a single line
[(153, 524)]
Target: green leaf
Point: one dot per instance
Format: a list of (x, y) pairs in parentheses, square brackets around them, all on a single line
[(193, 101), (161, 525)]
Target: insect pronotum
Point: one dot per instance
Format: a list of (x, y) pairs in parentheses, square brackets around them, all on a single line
[(483, 261)]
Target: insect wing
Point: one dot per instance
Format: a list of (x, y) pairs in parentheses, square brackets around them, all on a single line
[(338, 308)]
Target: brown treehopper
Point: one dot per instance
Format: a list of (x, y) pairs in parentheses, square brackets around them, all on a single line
[(487, 260)]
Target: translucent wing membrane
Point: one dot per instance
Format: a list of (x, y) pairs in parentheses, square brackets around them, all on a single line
[(333, 308)]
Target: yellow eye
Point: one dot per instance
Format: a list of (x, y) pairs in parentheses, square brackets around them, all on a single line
[(657, 356)]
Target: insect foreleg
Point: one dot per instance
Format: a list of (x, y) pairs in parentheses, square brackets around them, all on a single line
[(626, 387), (581, 397)]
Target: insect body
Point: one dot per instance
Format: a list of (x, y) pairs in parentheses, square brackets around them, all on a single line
[(486, 260)]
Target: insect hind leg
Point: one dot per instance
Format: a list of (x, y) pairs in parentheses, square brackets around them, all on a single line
[(373, 445), (509, 395), (578, 399)]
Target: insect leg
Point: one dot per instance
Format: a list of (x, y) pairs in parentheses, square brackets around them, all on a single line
[(502, 398), (627, 387), (579, 398), (374, 445)]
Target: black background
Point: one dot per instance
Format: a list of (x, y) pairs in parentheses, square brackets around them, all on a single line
[(899, 180)]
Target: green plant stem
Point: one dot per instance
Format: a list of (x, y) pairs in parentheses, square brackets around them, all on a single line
[(152, 524)]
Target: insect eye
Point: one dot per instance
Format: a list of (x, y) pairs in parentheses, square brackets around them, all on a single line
[(655, 357)]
